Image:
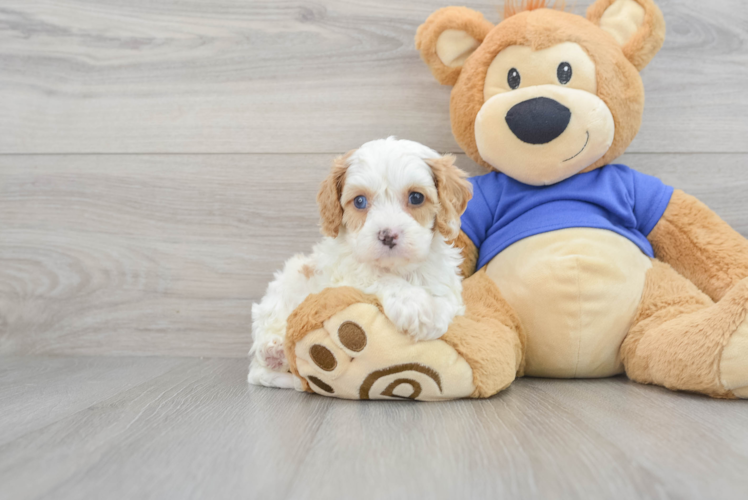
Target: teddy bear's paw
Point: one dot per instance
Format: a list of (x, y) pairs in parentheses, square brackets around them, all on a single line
[(734, 362), (360, 354)]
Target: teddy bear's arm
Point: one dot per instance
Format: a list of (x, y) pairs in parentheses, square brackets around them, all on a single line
[(698, 244), (469, 254)]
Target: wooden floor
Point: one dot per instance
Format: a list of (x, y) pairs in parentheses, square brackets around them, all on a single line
[(159, 159), (170, 428)]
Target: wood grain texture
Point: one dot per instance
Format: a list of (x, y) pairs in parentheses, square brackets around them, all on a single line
[(35, 393), (299, 76), (146, 254), (152, 249), (163, 254), (198, 431)]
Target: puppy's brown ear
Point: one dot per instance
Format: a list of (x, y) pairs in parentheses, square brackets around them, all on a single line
[(454, 193), (328, 198), (637, 26), (447, 38)]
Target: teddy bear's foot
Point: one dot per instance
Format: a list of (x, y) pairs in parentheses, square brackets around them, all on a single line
[(734, 362), (684, 341), (359, 354), (340, 344)]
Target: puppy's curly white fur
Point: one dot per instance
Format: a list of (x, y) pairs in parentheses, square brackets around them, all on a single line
[(388, 212)]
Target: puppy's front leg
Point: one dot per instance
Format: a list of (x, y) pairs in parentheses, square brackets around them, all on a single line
[(411, 309)]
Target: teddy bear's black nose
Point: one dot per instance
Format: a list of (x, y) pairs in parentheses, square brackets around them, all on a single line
[(538, 120)]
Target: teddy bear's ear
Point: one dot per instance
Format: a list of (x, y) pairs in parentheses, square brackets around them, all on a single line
[(447, 39), (637, 25)]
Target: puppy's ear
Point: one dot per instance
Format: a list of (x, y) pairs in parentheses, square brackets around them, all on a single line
[(637, 26), (328, 198), (447, 38), (454, 193)]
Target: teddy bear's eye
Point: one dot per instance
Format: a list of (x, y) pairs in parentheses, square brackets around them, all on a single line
[(564, 73), (513, 78), (359, 202)]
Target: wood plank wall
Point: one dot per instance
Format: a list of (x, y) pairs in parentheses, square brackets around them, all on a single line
[(159, 159)]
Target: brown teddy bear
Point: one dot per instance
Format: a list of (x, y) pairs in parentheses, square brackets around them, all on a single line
[(585, 268)]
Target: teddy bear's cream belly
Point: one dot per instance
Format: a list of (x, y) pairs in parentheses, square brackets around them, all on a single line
[(576, 292)]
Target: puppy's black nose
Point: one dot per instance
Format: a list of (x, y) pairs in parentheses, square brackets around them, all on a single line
[(538, 120), (387, 238)]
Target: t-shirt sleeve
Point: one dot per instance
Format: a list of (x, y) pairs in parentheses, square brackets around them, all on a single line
[(478, 217), (651, 198)]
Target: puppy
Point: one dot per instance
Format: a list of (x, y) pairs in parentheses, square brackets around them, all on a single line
[(388, 213)]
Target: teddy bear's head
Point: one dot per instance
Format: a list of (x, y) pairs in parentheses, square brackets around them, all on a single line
[(545, 94)]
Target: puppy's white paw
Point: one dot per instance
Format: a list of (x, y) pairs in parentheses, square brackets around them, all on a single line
[(298, 385), (432, 332), (443, 316), (271, 354), (260, 375), (413, 313)]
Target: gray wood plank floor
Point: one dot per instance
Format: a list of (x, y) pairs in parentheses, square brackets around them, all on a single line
[(167, 428)]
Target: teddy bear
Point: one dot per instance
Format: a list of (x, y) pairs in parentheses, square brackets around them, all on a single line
[(574, 266)]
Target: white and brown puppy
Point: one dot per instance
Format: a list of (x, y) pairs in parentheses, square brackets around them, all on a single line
[(389, 211)]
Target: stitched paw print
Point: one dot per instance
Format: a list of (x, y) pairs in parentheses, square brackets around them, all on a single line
[(359, 354)]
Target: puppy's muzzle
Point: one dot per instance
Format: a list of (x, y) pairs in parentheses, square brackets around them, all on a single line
[(388, 238)]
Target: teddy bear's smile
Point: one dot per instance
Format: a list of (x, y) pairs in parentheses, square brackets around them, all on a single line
[(587, 141)]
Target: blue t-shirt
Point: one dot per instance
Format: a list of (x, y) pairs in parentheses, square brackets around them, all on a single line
[(614, 197)]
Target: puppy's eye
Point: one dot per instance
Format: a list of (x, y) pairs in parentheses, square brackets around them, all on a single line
[(359, 202), (564, 73), (416, 198), (513, 78)]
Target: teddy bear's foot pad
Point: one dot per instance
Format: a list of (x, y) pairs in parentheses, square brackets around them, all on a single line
[(359, 354), (734, 362)]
